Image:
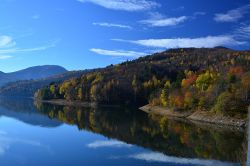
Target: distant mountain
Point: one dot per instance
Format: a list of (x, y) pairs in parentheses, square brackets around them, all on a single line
[(27, 88), (32, 73)]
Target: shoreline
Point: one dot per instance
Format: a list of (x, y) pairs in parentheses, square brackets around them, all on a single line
[(63, 102), (198, 116)]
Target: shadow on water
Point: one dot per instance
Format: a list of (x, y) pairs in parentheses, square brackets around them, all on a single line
[(171, 137)]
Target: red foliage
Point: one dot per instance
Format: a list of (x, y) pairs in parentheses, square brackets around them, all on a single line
[(237, 71), (189, 80)]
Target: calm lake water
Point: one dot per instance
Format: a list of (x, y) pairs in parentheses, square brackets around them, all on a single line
[(43, 134)]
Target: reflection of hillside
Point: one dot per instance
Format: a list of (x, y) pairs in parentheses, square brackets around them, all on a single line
[(24, 110), (159, 134)]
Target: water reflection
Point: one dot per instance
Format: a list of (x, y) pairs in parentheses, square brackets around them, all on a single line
[(6, 141), (172, 140), (43, 133), (109, 143), (24, 110), (159, 157)]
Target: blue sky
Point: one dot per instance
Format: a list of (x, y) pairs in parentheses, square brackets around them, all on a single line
[(85, 34)]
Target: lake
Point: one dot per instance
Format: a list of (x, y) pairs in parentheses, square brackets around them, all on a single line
[(33, 133)]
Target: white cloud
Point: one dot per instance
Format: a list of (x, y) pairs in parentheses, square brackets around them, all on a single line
[(125, 5), (159, 157), (208, 42), (105, 24), (158, 20), (111, 143), (8, 46), (4, 145), (232, 15), (6, 41), (171, 21), (18, 50), (118, 53), (243, 31), (6, 142)]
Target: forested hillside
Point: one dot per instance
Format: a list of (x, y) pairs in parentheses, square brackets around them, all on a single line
[(207, 79), (27, 88)]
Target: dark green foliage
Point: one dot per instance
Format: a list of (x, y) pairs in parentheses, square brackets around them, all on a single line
[(44, 94)]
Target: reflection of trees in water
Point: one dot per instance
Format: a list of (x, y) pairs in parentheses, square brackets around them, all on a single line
[(160, 134)]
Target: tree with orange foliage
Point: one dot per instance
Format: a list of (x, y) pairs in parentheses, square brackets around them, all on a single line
[(236, 71), (189, 80)]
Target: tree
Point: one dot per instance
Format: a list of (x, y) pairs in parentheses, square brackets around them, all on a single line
[(230, 104), (223, 102), (93, 93), (79, 94), (135, 87), (237, 71), (245, 81), (190, 100), (164, 93), (205, 80), (43, 94), (189, 80)]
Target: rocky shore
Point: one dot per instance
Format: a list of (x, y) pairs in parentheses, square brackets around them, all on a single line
[(201, 116)]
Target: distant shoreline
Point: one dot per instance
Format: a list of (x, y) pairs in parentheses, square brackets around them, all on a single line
[(63, 102), (200, 116)]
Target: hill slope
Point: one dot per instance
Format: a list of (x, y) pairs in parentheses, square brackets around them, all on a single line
[(36, 72), (27, 88), (180, 79)]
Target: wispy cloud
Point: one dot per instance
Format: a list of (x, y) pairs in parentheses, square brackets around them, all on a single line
[(19, 50), (106, 24), (209, 42), (36, 16), (232, 15), (8, 46), (180, 8), (125, 5), (171, 21), (199, 13), (3, 57), (118, 53), (243, 31), (6, 142), (6, 41), (158, 20), (109, 143), (159, 157)]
